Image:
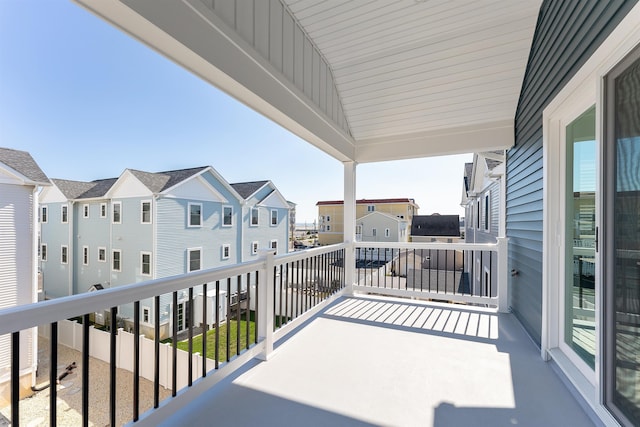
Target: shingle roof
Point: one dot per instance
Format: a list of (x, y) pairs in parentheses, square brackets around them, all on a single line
[(468, 170), (246, 189), (22, 162), (436, 225), (174, 176), (73, 189), (491, 164)]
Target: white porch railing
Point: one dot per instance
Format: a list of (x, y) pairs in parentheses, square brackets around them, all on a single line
[(277, 293)]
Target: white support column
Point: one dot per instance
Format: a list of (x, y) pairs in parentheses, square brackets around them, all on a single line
[(503, 275), (265, 303), (350, 224)]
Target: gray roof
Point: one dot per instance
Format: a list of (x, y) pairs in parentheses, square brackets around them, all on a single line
[(22, 162), (435, 225), (246, 189), (73, 189), (160, 181), (491, 164), (468, 170)]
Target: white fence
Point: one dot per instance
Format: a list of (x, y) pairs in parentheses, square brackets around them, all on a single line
[(70, 335)]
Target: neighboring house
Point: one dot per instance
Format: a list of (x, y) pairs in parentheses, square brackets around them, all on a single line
[(20, 179), (483, 204), (382, 227), (331, 215), (144, 225), (435, 228), (292, 223)]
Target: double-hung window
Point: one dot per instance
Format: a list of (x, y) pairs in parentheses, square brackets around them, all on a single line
[(254, 216), (194, 256), (64, 254), (145, 263), (116, 263), (44, 217), (64, 214), (254, 248), (227, 216), (103, 210), (195, 214), (85, 211), (85, 255), (116, 212), (102, 254), (274, 218), (226, 251), (43, 252), (145, 212)]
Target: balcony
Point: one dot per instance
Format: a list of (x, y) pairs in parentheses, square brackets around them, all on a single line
[(405, 334)]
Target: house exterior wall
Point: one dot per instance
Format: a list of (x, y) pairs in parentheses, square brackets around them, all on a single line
[(16, 275), (264, 233), (382, 223), (567, 33), (55, 234)]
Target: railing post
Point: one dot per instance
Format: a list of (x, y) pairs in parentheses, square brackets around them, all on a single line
[(266, 300), (503, 277)]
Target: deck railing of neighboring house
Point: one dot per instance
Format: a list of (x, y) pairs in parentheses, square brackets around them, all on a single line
[(275, 293), (300, 283)]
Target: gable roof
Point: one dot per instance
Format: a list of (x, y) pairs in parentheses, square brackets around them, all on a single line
[(72, 189), (383, 215), (246, 189), (436, 225), (161, 181), (23, 163)]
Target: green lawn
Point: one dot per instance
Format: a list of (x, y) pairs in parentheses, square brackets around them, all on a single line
[(222, 345)]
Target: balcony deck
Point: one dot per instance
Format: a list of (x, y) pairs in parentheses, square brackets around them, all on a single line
[(380, 361)]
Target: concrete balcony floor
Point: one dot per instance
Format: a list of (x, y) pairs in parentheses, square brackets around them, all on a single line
[(381, 361)]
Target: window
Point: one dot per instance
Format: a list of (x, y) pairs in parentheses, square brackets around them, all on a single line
[(115, 256), (195, 214), (374, 232), (102, 254), (85, 255), (478, 214), (254, 216), (116, 212), (64, 254), (226, 251), (387, 232), (227, 216), (85, 211), (358, 229), (146, 315), (328, 228), (145, 212), (194, 259), (274, 217), (65, 214), (145, 263), (103, 210), (371, 208), (43, 252), (328, 218), (43, 214), (254, 248), (274, 245), (487, 209)]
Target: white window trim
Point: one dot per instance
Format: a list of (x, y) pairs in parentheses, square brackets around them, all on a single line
[(583, 91), (374, 232), (142, 313), (103, 208), (387, 232), (251, 224), (142, 254), (113, 216), (102, 248), (85, 255), (44, 213), (189, 225), (271, 244), (189, 251), (328, 218), (274, 211), (45, 252), (142, 221), (85, 210), (223, 224), (328, 228), (62, 214), (227, 246), (62, 251), (113, 258), (254, 247)]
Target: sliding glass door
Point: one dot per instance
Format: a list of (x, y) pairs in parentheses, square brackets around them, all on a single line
[(622, 241)]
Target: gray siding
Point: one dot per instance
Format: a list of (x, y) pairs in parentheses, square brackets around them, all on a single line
[(566, 35)]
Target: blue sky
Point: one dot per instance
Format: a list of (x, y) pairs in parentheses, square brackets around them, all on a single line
[(88, 101)]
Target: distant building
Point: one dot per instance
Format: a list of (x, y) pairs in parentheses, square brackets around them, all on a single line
[(382, 227), (435, 228), (482, 202), (143, 226), (331, 215), (20, 179)]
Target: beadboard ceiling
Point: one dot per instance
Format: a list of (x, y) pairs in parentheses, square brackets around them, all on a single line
[(412, 78)]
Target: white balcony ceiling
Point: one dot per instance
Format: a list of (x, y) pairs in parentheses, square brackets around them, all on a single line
[(363, 80)]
